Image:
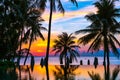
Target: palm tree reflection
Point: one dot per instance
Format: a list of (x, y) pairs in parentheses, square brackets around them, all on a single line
[(107, 76), (61, 73), (26, 70)]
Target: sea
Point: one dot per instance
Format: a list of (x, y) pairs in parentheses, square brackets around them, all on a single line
[(77, 71), (55, 60)]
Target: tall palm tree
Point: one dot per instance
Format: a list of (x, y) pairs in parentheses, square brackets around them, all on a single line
[(66, 47), (101, 38), (103, 28), (53, 6), (34, 29)]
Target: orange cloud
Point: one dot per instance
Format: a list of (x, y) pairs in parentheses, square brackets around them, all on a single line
[(38, 47)]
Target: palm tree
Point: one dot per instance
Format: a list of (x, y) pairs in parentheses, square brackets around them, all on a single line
[(66, 47), (34, 29), (101, 38), (59, 73), (96, 76), (53, 6), (103, 28)]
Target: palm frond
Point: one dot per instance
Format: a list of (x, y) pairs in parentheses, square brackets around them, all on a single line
[(63, 45), (87, 38), (75, 46), (41, 35), (42, 28), (115, 39), (95, 40), (60, 7), (115, 73), (54, 6), (42, 4), (87, 31), (71, 42), (57, 52), (97, 45), (114, 49), (92, 17), (94, 76)]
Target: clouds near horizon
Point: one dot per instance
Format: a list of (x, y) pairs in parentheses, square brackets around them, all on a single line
[(71, 21)]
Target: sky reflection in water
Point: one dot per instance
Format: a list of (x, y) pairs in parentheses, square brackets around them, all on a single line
[(78, 73)]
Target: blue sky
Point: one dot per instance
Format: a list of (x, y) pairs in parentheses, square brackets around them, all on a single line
[(71, 21)]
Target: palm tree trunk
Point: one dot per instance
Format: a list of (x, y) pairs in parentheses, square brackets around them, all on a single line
[(28, 49), (19, 67), (108, 66), (48, 42), (65, 69), (28, 69), (19, 54), (18, 61), (108, 59), (104, 64)]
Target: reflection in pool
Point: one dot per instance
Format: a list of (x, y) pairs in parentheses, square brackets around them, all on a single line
[(59, 72), (74, 72)]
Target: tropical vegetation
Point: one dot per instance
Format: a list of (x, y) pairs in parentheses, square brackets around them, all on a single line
[(19, 22), (66, 47), (113, 76), (54, 5), (65, 74), (102, 30)]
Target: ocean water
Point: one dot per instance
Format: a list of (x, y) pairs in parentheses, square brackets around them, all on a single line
[(55, 60), (56, 71)]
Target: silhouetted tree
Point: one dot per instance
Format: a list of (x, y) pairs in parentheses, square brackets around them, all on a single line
[(34, 28), (103, 28), (62, 74), (113, 76), (66, 47), (16, 17), (53, 5)]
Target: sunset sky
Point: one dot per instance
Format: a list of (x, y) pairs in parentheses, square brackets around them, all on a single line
[(71, 21)]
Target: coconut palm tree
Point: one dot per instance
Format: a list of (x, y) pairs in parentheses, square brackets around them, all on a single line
[(42, 5), (103, 28), (101, 38), (61, 73), (96, 76), (34, 29), (66, 47)]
